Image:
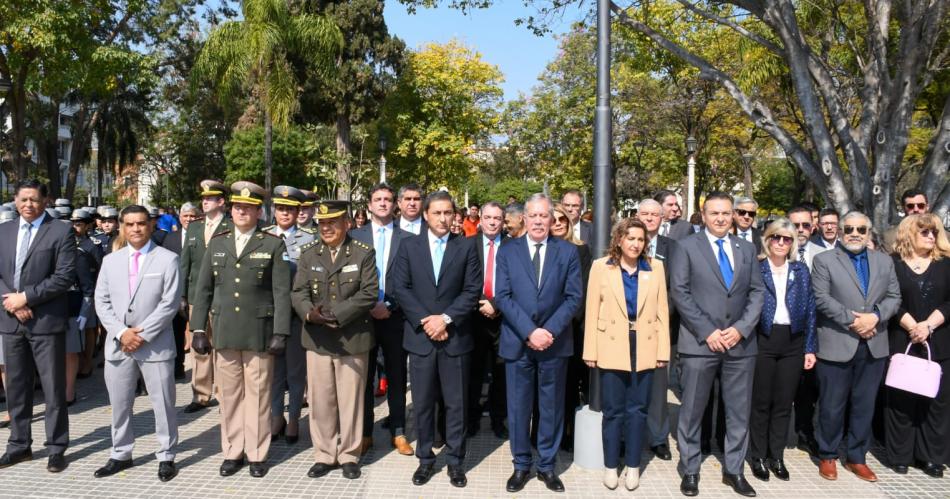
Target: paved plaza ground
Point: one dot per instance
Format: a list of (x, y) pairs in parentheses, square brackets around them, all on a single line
[(385, 473)]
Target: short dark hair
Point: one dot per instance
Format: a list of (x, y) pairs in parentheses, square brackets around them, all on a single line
[(661, 196), (514, 209), (494, 204), (438, 196), (474, 205), (802, 208), (132, 209), (411, 186), (571, 191), (828, 211), (911, 193), (810, 206), (30, 183), (382, 186), (714, 195)]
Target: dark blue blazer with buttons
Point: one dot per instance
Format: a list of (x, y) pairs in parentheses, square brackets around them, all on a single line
[(799, 299)]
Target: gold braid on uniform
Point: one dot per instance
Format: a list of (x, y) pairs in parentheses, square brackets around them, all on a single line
[(223, 233), (308, 230), (311, 244)]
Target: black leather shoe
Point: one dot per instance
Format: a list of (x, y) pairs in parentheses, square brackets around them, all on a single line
[(778, 469), (195, 407), (499, 430), (662, 451), (517, 480), (457, 476), (689, 486), (351, 471), (231, 466), (705, 448), (932, 469), (167, 470), (900, 469), (258, 470), (807, 443), (112, 467), (551, 481), (11, 458), (4, 423), (738, 484), (318, 470), (759, 469), (422, 475), (56, 463)]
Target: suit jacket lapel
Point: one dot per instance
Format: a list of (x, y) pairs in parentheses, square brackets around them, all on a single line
[(34, 239), (449, 255), (767, 278), (253, 242), (142, 269), (426, 250), (737, 268), (849, 267), (550, 257), (644, 289), (707, 252)]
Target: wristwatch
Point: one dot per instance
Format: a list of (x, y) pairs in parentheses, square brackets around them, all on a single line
[(446, 319)]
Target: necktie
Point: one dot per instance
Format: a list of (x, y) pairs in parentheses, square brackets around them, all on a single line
[(209, 231), (333, 253), (21, 254), (665, 229), (381, 260), (437, 258), (862, 272), (536, 260), (745, 235), (134, 271), (240, 242), (724, 266), (489, 270), (652, 247), (801, 254)]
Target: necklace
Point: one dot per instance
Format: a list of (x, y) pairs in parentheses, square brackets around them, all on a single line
[(918, 264)]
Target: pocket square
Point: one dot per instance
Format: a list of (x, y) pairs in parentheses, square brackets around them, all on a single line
[(152, 275)]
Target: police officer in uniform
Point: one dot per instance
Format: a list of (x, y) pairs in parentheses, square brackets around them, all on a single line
[(199, 234), (108, 229), (88, 262), (290, 369), (244, 284), (335, 288)]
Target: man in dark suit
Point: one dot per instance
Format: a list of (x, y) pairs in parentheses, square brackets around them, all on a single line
[(437, 281), (410, 209), (385, 238), (717, 287), (37, 259), (486, 327), (744, 222), (572, 203), (856, 293), (173, 242), (672, 226), (538, 291)]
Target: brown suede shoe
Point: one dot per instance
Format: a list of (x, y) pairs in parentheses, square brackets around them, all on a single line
[(366, 445), (861, 471), (401, 444), (828, 469)]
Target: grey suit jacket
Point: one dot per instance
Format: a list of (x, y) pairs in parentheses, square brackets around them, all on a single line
[(680, 230), (811, 250), (836, 297), (152, 305), (703, 301)]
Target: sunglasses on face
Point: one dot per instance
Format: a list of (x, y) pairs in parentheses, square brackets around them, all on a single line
[(919, 206), (786, 240), (560, 219), (744, 213), (929, 233), (806, 225), (861, 230)]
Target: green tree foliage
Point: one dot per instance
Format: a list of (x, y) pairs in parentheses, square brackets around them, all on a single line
[(441, 111), (293, 150)]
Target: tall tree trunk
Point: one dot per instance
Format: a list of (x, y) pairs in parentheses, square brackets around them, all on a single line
[(343, 156), (268, 150), (747, 179), (49, 149), (100, 171), (79, 148)]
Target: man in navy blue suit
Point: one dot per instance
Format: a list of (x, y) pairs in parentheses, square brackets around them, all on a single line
[(437, 280), (538, 289)]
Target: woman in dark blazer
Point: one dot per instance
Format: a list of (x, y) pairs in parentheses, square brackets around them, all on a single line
[(917, 429), (787, 343)]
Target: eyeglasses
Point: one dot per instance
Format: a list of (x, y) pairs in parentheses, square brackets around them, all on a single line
[(919, 206), (560, 219), (929, 233), (848, 229), (786, 240), (744, 213), (806, 225)]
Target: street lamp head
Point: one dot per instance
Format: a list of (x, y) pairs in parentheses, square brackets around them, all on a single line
[(382, 142), (691, 143)]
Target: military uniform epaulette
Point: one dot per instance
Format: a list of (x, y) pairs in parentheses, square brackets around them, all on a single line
[(360, 244), (261, 235), (269, 227), (309, 245), (308, 230), (222, 233)]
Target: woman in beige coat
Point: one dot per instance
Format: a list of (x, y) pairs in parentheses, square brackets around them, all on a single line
[(627, 337)]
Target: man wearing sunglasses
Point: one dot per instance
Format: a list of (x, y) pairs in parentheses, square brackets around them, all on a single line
[(800, 216), (913, 202), (744, 222), (856, 293)]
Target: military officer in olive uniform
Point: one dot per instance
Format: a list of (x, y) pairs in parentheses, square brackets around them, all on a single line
[(199, 234), (290, 369), (244, 284), (335, 288), (305, 216)]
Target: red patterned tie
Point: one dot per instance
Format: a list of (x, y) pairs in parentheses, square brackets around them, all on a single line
[(489, 270)]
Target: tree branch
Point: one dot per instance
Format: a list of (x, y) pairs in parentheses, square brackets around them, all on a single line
[(738, 28), (938, 156)]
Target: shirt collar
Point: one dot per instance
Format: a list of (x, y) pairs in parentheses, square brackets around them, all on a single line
[(35, 223), (497, 239), (145, 249), (532, 242), (433, 238), (376, 226), (214, 220), (856, 256), (713, 239), (238, 233)]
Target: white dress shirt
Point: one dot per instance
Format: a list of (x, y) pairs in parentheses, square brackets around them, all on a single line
[(780, 279), (19, 235), (726, 246), (746, 235), (432, 245), (241, 239), (414, 226), (531, 249), (494, 268)]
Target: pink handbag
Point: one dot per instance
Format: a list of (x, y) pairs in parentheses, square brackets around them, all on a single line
[(914, 374)]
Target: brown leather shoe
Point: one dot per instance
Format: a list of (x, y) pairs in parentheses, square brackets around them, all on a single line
[(828, 469), (366, 445), (401, 444), (861, 471)]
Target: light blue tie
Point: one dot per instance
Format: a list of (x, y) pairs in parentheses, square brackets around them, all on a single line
[(21, 254), (724, 265), (437, 258), (381, 259)]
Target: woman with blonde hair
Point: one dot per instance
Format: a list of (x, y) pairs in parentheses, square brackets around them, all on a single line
[(787, 344), (627, 337), (917, 429)]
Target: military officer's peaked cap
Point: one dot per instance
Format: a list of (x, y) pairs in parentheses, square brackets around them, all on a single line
[(212, 188), (247, 193), (288, 196), (309, 198), (330, 209), (81, 215)]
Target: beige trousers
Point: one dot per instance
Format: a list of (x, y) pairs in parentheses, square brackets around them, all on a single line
[(244, 383), (202, 375), (335, 390)]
